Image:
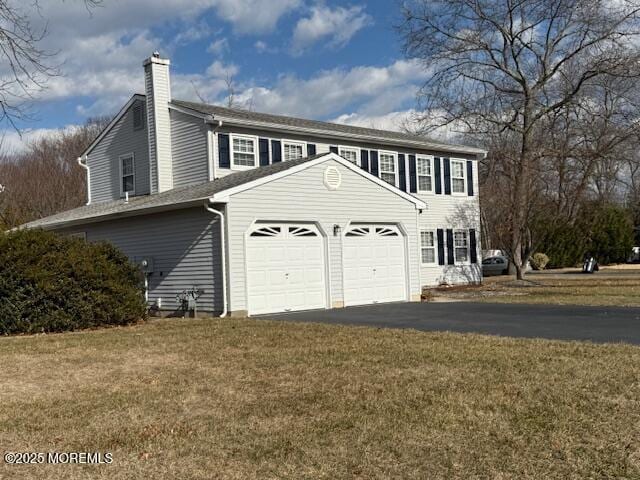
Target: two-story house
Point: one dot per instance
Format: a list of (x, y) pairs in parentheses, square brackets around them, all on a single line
[(266, 213)]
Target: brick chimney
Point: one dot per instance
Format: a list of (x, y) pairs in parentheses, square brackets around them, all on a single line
[(158, 91)]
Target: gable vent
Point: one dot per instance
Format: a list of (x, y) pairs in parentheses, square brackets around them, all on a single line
[(332, 178)]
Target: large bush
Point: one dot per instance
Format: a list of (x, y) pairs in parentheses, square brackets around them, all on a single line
[(605, 231), (539, 261), (51, 283)]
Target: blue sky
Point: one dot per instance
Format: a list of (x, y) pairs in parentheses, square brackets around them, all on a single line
[(330, 60)]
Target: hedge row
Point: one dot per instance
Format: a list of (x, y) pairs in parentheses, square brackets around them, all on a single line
[(51, 283)]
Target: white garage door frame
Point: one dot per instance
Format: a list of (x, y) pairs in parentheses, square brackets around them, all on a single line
[(325, 252), (405, 237)]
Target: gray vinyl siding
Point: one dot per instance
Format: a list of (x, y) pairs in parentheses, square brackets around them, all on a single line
[(302, 196), (184, 245), (103, 160), (189, 144)]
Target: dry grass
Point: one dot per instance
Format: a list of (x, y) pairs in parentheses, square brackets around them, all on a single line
[(255, 399), (623, 292), (594, 290)]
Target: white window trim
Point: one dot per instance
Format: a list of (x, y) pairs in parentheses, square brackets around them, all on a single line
[(133, 159), (293, 142), (256, 154), (433, 177), (435, 246), (455, 257), (395, 162), (354, 149), (464, 175)]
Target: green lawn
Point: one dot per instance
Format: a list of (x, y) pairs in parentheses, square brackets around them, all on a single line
[(249, 399)]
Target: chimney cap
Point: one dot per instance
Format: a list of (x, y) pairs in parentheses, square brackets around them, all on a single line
[(155, 58)]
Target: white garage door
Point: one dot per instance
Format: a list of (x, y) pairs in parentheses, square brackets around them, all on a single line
[(374, 265), (285, 268)]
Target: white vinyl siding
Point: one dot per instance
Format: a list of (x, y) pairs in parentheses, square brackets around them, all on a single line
[(387, 163), (292, 150), (428, 246), (127, 174), (243, 151), (104, 163), (303, 197), (350, 154), (424, 169), (458, 183), (461, 246)]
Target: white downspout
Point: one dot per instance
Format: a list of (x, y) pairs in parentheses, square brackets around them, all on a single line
[(224, 257), (211, 132), (86, 167)]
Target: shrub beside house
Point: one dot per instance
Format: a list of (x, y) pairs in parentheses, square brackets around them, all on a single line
[(51, 283)]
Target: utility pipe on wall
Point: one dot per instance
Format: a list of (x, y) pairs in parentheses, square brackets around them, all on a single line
[(224, 257)]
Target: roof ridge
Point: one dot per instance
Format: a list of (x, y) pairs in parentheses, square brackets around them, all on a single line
[(292, 121)]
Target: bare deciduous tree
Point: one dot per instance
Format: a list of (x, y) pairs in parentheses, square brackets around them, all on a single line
[(25, 65), (503, 70), (45, 178)]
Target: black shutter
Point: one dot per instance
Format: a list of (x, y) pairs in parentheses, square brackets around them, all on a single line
[(450, 258), (224, 157), (374, 162), (264, 151), (333, 149), (436, 173), (413, 179), (470, 178), (276, 151), (447, 176), (364, 159), (440, 234), (311, 149), (473, 246), (402, 171)]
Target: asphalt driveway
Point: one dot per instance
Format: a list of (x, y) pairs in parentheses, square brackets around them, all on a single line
[(597, 324)]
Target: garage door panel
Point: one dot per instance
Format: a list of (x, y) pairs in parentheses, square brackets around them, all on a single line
[(285, 267), (374, 265)]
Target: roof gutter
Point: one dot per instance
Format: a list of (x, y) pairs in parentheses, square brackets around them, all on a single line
[(223, 252)]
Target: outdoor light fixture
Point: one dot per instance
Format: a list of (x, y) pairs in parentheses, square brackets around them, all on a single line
[(336, 230)]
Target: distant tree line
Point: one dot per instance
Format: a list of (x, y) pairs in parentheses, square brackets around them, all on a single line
[(45, 177)]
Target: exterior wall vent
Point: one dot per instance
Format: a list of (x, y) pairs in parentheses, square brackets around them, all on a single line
[(332, 178)]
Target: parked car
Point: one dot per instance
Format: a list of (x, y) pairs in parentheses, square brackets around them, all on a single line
[(497, 265)]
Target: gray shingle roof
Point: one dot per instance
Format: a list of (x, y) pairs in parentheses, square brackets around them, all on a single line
[(180, 196), (326, 128)]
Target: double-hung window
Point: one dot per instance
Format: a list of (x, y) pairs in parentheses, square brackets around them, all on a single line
[(458, 176), (424, 170), (243, 151), (292, 150), (388, 167), (428, 246), (350, 154), (127, 174), (461, 246)]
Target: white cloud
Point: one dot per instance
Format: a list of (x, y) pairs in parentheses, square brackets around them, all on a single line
[(14, 142), (388, 121), (336, 27), (377, 90), (254, 16), (261, 46), (219, 70), (218, 47)]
